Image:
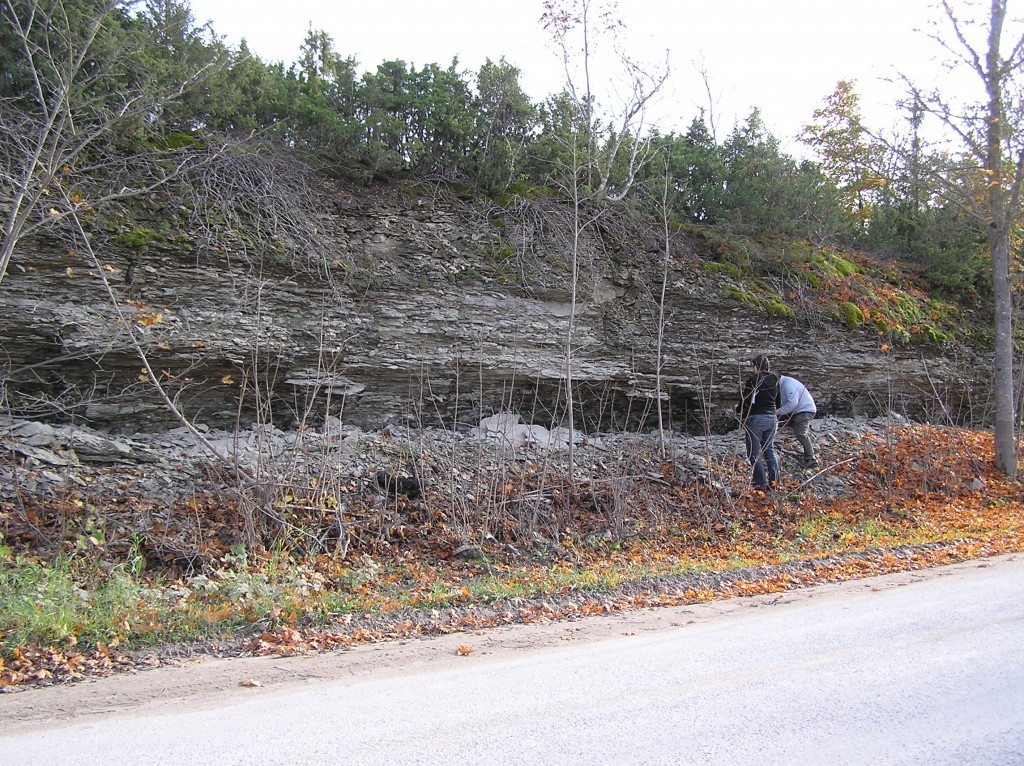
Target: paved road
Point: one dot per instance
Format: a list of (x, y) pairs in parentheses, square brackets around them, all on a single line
[(929, 673)]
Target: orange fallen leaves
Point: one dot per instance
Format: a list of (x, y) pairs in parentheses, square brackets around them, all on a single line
[(49, 665)]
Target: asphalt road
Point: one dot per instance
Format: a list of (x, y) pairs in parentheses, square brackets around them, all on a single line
[(929, 672)]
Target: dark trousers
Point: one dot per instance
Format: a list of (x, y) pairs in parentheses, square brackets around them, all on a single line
[(800, 422)]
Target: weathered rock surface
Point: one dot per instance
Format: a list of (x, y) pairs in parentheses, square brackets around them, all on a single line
[(432, 314)]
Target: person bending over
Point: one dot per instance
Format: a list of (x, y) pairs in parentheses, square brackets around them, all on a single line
[(797, 410)]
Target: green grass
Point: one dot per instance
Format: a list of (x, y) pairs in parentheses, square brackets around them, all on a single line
[(76, 601), (44, 603)]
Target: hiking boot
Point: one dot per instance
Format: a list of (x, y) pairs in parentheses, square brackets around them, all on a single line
[(812, 463)]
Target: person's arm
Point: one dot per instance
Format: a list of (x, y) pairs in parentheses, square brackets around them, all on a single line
[(788, 399)]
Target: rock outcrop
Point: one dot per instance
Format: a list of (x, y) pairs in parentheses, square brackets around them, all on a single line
[(430, 312)]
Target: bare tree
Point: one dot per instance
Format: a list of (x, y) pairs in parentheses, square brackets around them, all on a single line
[(82, 85), (983, 177), (662, 321), (712, 121), (607, 147)]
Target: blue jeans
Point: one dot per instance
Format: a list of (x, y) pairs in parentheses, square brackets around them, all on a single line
[(759, 433)]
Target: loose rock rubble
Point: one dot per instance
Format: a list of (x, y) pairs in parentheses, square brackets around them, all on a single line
[(60, 460)]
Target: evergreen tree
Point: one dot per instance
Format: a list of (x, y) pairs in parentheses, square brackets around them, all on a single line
[(766, 190), (178, 51), (71, 141), (698, 174), (506, 119)]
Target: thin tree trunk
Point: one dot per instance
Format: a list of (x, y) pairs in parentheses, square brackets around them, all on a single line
[(1002, 370), (569, 398), (660, 351)]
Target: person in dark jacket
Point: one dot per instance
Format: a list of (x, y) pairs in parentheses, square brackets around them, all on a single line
[(758, 401)]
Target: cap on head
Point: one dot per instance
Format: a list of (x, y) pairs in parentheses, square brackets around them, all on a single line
[(761, 363)]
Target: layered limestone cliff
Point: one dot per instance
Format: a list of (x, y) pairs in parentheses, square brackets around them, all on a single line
[(430, 311)]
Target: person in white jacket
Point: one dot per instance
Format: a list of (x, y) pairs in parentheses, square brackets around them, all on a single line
[(796, 408)]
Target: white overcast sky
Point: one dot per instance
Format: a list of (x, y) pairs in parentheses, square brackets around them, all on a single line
[(782, 56)]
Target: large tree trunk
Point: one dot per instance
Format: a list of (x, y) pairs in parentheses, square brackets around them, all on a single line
[(1002, 372)]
